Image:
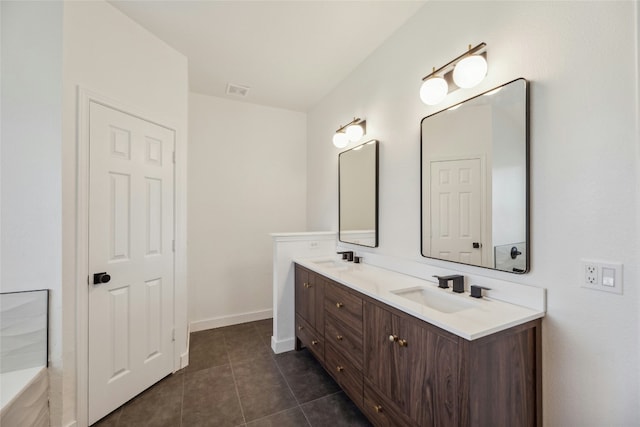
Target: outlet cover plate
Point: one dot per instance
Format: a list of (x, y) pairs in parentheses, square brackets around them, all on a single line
[(603, 276)]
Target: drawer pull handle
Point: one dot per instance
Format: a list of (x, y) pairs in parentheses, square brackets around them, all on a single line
[(339, 305), (393, 338), (403, 343), (339, 337), (314, 342), (300, 328), (339, 368), (377, 408), (307, 285)]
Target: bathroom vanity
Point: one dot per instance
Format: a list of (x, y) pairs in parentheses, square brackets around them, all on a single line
[(410, 354)]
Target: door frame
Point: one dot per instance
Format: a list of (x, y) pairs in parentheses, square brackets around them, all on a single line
[(180, 323)]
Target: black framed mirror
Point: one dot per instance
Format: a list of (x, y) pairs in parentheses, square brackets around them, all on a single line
[(475, 180), (358, 195)]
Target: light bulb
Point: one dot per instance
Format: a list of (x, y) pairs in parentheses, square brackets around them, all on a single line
[(340, 139), (433, 90), (470, 71), (354, 132)]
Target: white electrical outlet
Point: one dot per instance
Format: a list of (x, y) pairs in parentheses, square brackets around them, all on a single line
[(601, 275), (590, 274)]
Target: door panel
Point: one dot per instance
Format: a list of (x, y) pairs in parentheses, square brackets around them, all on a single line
[(130, 238), (456, 215)]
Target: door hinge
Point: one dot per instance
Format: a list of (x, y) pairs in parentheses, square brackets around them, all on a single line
[(174, 157), (173, 334), (173, 245)]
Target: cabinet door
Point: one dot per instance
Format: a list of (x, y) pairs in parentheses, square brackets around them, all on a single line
[(305, 295), (380, 366), (309, 297), (428, 364), (416, 369), (319, 284)]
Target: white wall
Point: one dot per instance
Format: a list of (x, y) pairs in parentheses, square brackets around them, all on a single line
[(108, 53), (247, 178), (31, 158), (581, 59), (31, 141)]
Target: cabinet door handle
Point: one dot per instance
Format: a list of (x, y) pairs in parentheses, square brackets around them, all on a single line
[(339, 337), (339, 305), (377, 408), (306, 285), (300, 328), (339, 368), (393, 338), (314, 342), (403, 343)]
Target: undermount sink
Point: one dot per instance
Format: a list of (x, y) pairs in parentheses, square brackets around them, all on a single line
[(332, 263), (435, 299)]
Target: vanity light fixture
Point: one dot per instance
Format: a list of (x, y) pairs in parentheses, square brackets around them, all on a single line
[(465, 71), (351, 132)]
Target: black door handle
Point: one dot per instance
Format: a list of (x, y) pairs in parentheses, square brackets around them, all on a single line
[(477, 245), (99, 278), (515, 252)]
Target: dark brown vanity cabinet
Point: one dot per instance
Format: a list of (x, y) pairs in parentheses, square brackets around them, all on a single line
[(402, 371)]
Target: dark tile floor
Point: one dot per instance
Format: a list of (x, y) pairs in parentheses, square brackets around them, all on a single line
[(234, 379)]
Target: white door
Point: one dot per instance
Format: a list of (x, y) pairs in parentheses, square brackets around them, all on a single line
[(456, 210), (130, 239)]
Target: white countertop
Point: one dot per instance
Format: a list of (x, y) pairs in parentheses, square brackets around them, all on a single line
[(480, 317)]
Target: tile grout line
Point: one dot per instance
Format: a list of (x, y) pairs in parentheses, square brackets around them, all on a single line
[(280, 365), (235, 382), (299, 405), (119, 415), (284, 377), (271, 415), (286, 381), (184, 379), (325, 396)]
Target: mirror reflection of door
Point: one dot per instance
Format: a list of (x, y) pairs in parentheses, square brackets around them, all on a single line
[(456, 216)]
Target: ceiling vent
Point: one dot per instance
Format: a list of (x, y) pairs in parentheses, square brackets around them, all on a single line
[(237, 90)]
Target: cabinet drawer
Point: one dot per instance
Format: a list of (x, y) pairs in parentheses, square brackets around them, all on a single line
[(310, 338), (381, 412), (345, 373), (345, 341), (344, 306)]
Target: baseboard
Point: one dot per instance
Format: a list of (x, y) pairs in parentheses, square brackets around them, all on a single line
[(184, 359), (283, 345), (234, 319)]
